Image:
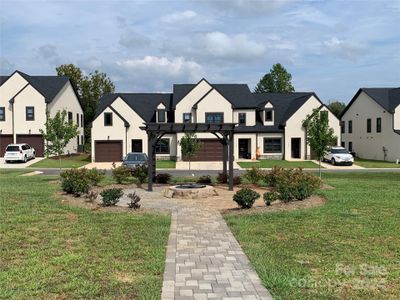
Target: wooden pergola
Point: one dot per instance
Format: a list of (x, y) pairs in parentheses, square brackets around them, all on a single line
[(224, 132)]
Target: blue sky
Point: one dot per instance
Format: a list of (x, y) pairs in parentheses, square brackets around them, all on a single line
[(330, 47)]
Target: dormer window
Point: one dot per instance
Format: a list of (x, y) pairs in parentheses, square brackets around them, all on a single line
[(187, 118), (269, 115), (161, 116), (242, 119)]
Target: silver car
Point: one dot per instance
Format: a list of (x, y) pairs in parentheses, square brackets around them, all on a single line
[(339, 156)]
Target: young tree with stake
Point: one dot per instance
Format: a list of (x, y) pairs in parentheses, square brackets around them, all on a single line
[(190, 144), (58, 134), (319, 135)]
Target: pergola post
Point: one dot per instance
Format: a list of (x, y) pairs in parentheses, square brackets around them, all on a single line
[(150, 165), (231, 161), (225, 155)]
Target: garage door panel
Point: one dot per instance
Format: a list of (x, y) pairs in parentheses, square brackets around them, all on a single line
[(34, 140), (211, 150), (108, 151), (5, 140)]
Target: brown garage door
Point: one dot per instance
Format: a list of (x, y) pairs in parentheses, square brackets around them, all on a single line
[(34, 140), (5, 139), (211, 150), (108, 151)]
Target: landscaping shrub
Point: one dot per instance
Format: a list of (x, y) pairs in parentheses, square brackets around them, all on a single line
[(222, 178), (111, 197), (270, 197), (91, 196), (245, 198), (295, 184), (271, 177), (135, 199), (254, 175), (205, 179), (163, 178), (140, 173), (121, 173), (95, 176), (75, 181)]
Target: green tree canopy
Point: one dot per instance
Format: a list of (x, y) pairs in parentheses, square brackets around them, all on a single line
[(90, 89), (190, 144), (58, 133), (336, 107), (278, 80), (319, 135)]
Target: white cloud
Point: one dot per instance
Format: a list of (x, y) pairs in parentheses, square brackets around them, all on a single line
[(6, 67), (179, 16), (158, 73), (345, 49), (49, 53), (220, 45)]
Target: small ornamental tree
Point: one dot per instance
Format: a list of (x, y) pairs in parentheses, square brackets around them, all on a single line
[(58, 134), (190, 144), (319, 135)]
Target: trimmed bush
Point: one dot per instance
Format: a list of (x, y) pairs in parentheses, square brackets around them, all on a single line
[(271, 177), (135, 199), (222, 178), (270, 197), (245, 198), (205, 179), (121, 173), (163, 178), (95, 176), (140, 173), (75, 181), (110, 197), (254, 175)]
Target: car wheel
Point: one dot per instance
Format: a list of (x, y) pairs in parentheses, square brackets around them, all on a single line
[(333, 162), (7, 161), (33, 155), (25, 159)]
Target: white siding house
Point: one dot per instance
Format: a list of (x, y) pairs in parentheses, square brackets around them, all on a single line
[(24, 101), (269, 124), (371, 124)]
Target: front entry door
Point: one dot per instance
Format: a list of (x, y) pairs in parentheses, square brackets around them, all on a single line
[(244, 148), (296, 147), (137, 146)]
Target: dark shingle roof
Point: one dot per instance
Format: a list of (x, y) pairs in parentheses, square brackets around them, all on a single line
[(238, 94), (388, 98), (48, 86), (144, 104)]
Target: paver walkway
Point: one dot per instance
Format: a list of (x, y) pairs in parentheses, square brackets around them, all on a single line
[(204, 260)]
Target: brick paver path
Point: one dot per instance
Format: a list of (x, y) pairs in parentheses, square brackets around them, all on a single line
[(204, 260)]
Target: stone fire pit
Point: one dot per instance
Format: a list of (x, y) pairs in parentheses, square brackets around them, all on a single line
[(190, 191)]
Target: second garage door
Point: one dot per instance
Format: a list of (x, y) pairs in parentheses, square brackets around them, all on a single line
[(5, 140), (34, 140), (211, 150), (108, 151)]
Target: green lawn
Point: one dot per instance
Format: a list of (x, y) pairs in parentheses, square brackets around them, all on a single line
[(368, 163), (49, 250), (73, 161), (297, 254), (165, 164), (269, 163)]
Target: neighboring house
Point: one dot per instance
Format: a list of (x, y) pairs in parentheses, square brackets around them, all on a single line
[(24, 101), (268, 124), (371, 124)]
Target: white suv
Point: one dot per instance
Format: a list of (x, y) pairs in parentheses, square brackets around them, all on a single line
[(19, 152), (339, 156)]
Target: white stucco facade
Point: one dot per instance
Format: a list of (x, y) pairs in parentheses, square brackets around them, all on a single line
[(384, 145), (17, 93)]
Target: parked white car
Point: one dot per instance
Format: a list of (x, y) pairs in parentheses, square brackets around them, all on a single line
[(19, 152), (339, 156)]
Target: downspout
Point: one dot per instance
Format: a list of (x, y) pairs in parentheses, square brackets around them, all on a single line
[(12, 123)]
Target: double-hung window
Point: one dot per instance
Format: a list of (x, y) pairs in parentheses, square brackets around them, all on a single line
[(30, 113), (214, 118)]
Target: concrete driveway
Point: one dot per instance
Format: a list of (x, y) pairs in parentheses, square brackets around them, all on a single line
[(332, 167), (18, 165)]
